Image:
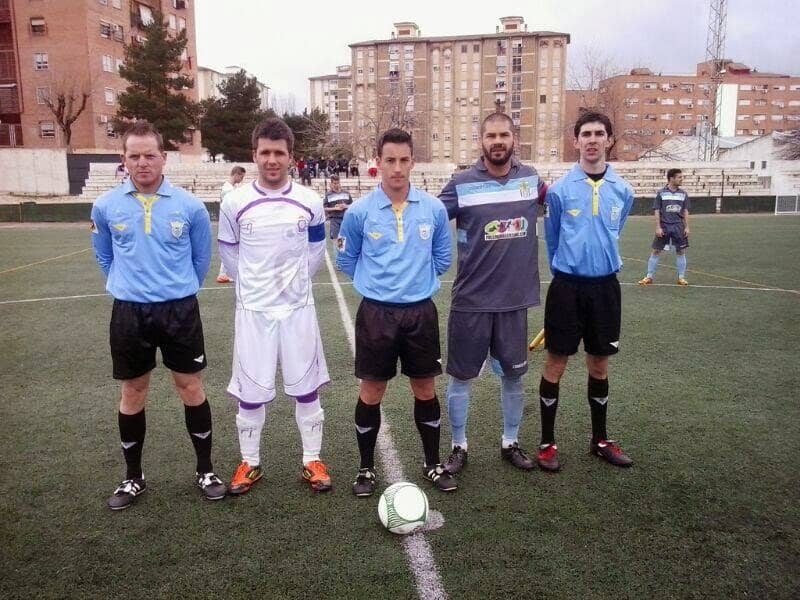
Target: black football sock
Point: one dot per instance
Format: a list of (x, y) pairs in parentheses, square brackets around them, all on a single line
[(131, 433), (198, 423), (368, 423), (548, 405), (598, 404), (428, 416)]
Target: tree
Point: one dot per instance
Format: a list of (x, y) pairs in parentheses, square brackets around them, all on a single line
[(788, 144), (311, 132), (393, 107), (153, 68), (228, 122), (67, 104)]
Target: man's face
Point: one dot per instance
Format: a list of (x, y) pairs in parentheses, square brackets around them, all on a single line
[(144, 161), (237, 178), (336, 185), (395, 166), (676, 180), (497, 142), (272, 159), (592, 142)]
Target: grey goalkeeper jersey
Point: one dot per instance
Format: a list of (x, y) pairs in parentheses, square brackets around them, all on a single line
[(670, 205), (498, 253)]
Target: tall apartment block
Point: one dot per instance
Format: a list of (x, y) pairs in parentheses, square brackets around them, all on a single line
[(333, 95), (648, 108), (50, 47), (440, 89)]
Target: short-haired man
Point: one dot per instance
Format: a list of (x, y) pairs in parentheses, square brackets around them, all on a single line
[(671, 208), (336, 203), (152, 241), (495, 204), (272, 240), (234, 181), (394, 243), (586, 211)]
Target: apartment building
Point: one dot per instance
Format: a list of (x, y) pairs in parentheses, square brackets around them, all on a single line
[(648, 108), (440, 89), (75, 46), (208, 82), (333, 95)]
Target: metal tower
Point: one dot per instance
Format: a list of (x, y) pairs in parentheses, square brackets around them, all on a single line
[(715, 51)]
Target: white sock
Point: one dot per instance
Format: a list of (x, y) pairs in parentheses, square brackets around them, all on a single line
[(310, 417), (506, 443), (249, 424)]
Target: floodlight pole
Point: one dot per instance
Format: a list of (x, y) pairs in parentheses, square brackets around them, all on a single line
[(708, 148)]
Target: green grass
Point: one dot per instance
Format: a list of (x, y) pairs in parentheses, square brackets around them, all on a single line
[(703, 396)]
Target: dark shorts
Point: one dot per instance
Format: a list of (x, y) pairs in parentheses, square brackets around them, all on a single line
[(675, 234), (137, 329), (473, 335), (333, 227), (581, 308), (385, 333)]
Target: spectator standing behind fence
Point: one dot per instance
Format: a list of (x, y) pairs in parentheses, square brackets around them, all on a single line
[(234, 181)]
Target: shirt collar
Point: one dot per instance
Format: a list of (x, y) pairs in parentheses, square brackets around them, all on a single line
[(165, 189), (578, 174), (384, 200), (264, 192)]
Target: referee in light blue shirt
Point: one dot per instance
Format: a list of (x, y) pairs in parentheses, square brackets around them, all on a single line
[(153, 242), (394, 243)]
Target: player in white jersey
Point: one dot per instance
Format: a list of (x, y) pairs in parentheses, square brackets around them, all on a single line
[(272, 240)]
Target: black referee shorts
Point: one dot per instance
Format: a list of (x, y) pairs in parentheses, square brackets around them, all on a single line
[(583, 308), (385, 333), (138, 328)]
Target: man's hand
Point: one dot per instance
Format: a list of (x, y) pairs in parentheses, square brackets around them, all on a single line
[(686, 231), (659, 232)]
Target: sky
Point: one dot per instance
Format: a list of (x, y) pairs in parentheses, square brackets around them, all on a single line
[(285, 43)]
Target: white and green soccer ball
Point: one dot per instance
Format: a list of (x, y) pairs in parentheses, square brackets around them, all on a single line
[(403, 508)]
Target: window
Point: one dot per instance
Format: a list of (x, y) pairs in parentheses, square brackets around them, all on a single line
[(746, 87), (632, 86), (650, 85), (777, 117), (741, 117), (181, 23), (38, 26), (172, 21), (631, 116), (794, 88), (42, 93), (476, 67), (463, 48), (463, 67), (108, 63), (118, 33), (104, 2), (744, 102), (105, 30), (40, 62), (116, 3), (110, 96), (476, 48), (180, 4), (667, 101), (47, 129), (542, 98), (119, 63)]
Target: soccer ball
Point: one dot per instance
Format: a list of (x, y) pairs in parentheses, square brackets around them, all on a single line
[(403, 508)]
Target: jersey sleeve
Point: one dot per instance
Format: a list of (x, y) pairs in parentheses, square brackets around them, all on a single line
[(316, 235), (200, 237), (552, 222), (442, 245), (228, 237), (542, 192), (101, 240), (657, 202), (687, 204), (449, 197), (627, 206)]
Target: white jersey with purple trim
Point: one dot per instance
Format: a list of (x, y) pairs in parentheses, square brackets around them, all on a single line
[(272, 242)]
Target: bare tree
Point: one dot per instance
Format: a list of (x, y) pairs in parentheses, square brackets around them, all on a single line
[(788, 144), (67, 103), (592, 66), (284, 104), (394, 107)]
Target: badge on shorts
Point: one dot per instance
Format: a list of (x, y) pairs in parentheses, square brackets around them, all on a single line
[(424, 231), (341, 243), (302, 224), (615, 211), (177, 228)]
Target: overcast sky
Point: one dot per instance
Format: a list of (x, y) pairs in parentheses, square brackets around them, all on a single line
[(284, 43)]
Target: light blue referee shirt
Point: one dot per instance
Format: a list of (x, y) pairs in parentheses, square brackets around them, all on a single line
[(392, 254), (151, 247), (583, 220)]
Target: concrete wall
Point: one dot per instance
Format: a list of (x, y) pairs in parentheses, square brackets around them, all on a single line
[(35, 172)]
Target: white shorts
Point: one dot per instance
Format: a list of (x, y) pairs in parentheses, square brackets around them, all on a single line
[(261, 340)]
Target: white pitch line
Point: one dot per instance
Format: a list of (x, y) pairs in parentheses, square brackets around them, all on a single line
[(39, 262), (417, 549)]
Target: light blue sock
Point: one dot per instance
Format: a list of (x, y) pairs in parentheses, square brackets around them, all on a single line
[(458, 391), (680, 262), (512, 398), (652, 265)]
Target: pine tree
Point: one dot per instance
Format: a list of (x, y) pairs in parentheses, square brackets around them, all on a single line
[(153, 70), (228, 122)]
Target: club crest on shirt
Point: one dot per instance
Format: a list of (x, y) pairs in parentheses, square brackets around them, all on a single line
[(302, 224), (341, 243), (524, 189), (176, 227), (424, 231)]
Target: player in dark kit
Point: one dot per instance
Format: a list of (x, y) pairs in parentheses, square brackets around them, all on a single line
[(586, 211), (671, 208)]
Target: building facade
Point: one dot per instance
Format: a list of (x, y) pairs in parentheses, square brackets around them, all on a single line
[(648, 108), (47, 48), (333, 95), (208, 82), (441, 88)]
